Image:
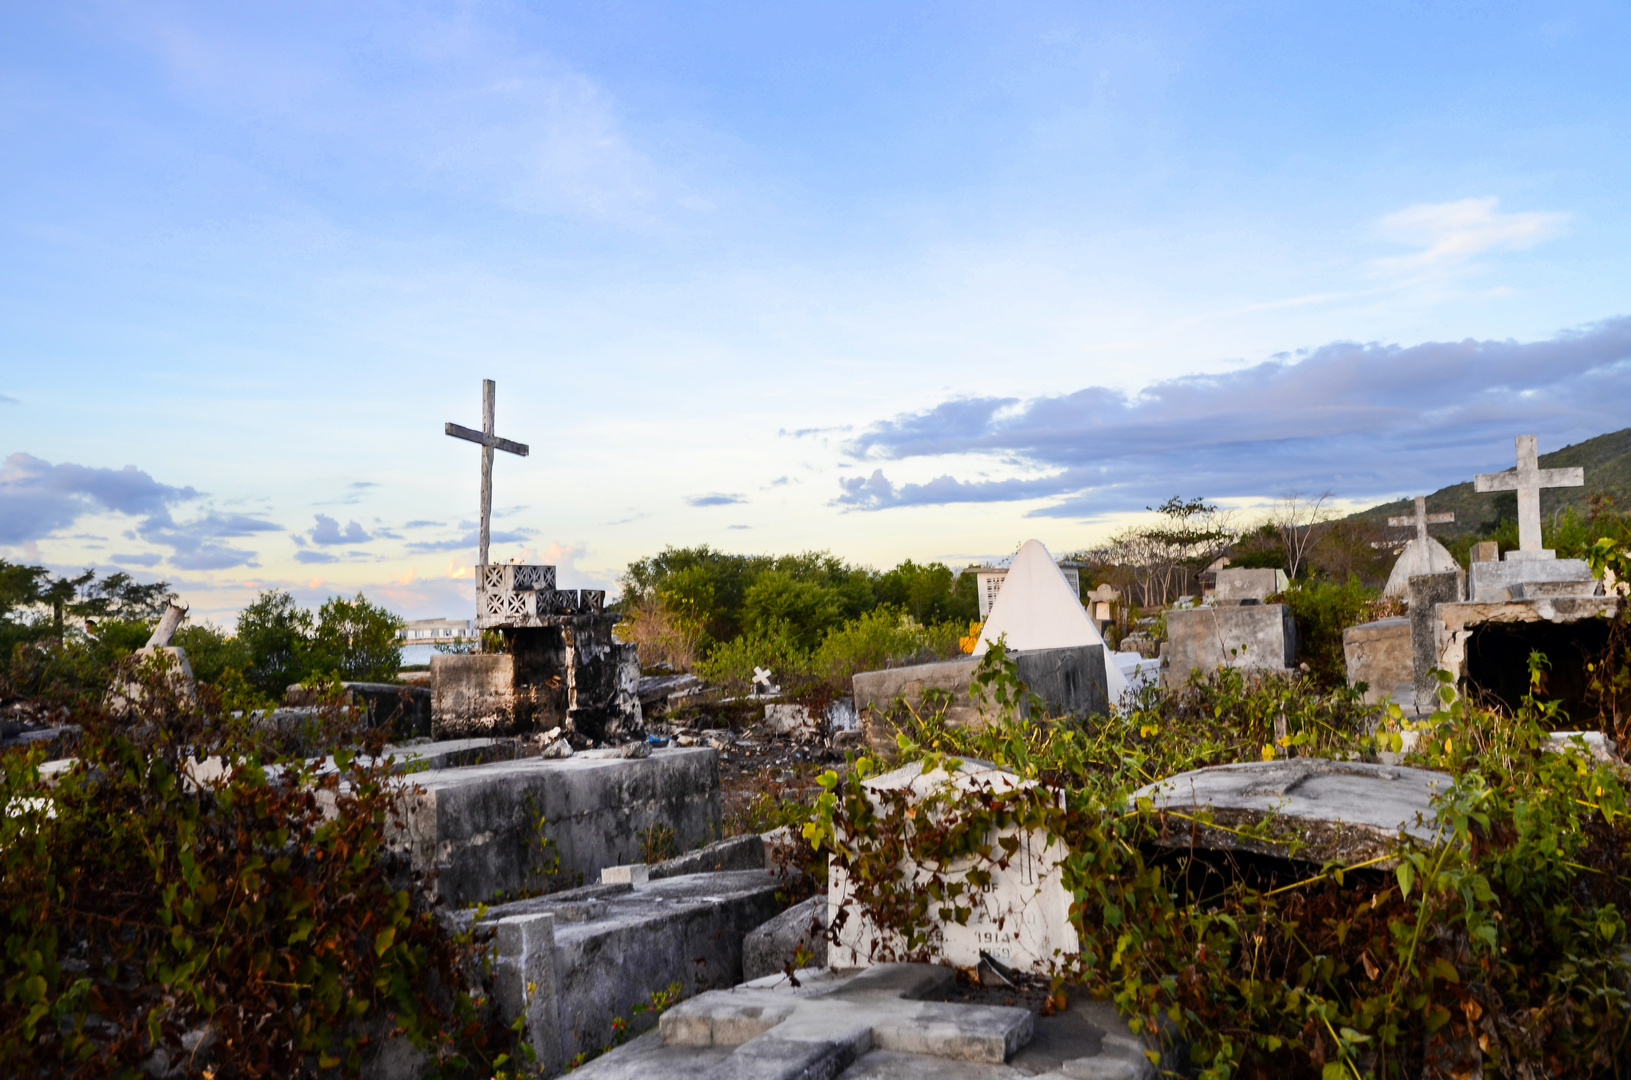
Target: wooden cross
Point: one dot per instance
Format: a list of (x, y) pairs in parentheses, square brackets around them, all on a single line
[(489, 442), (1527, 480), (1421, 520)]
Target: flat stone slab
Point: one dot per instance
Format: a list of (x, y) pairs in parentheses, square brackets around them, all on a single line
[(885, 1023), (1304, 808)]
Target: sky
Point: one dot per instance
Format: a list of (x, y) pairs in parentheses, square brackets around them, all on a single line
[(890, 280)]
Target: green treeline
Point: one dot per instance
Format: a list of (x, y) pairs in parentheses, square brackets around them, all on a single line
[(807, 617)]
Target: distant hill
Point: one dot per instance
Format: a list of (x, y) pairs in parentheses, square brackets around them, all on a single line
[(1606, 459)]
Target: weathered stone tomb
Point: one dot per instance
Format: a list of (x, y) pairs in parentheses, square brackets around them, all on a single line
[(560, 665)]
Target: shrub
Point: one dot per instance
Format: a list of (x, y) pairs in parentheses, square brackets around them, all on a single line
[(1323, 609), (248, 920)]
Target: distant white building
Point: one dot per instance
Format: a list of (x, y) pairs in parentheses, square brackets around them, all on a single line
[(418, 637)]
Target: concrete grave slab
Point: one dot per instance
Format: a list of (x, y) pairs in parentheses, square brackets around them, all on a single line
[(479, 828), (881, 1024), (1021, 917), (1068, 681), (1346, 810), (593, 954)]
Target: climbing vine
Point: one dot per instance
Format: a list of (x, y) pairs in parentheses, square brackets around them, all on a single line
[(1498, 947)]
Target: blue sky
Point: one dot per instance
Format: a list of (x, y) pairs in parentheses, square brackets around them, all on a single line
[(891, 280)]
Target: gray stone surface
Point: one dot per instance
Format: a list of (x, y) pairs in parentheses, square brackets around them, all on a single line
[(770, 948), (1235, 585), (478, 827), (887, 1023), (1068, 680), (737, 853), (1253, 637), (1427, 592), (1492, 582), (609, 949), (1314, 809), (1379, 654)]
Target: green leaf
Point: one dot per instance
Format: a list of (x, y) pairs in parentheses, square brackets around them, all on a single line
[(383, 940), (1406, 873)]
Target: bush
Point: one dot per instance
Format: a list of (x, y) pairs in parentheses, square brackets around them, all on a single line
[(248, 922), (1323, 609)]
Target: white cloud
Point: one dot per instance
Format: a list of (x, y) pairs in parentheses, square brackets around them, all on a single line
[(1450, 233)]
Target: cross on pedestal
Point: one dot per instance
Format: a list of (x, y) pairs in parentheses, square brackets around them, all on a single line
[(1421, 520), (489, 442), (1527, 480)]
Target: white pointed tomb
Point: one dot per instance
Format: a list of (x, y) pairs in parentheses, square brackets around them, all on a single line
[(1037, 609), (1417, 559)]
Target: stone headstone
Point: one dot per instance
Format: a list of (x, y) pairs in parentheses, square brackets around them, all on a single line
[(1021, 917), (1347, 810), (1427, 591), (1236, 585), (1249, 636), (1038, 609)]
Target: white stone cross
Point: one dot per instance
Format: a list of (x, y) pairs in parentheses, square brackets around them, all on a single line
[(489, 442), (761, 677), (1527, 480), (1421, 520)]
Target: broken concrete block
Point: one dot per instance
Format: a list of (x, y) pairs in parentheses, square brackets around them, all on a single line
[(770, 948), (632, 874), (1379, 655), (1236, 585)]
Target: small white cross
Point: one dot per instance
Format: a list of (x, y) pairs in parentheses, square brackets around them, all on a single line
[(1527, 480), (1421, 520)]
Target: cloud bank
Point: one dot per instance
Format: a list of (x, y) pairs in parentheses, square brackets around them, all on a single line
[(37, 498), (1364, 420)]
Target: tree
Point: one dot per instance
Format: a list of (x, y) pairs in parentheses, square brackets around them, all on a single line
[(277, 635), (358, 640), (1295, 517)]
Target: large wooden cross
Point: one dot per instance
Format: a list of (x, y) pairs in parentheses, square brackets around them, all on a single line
[(489, 442), (1527, 480), (1421, 519)]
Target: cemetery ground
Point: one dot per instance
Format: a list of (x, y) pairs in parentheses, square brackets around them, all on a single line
[(200, 885)]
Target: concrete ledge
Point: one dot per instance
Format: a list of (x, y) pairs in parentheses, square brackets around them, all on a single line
[(493, 830)]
